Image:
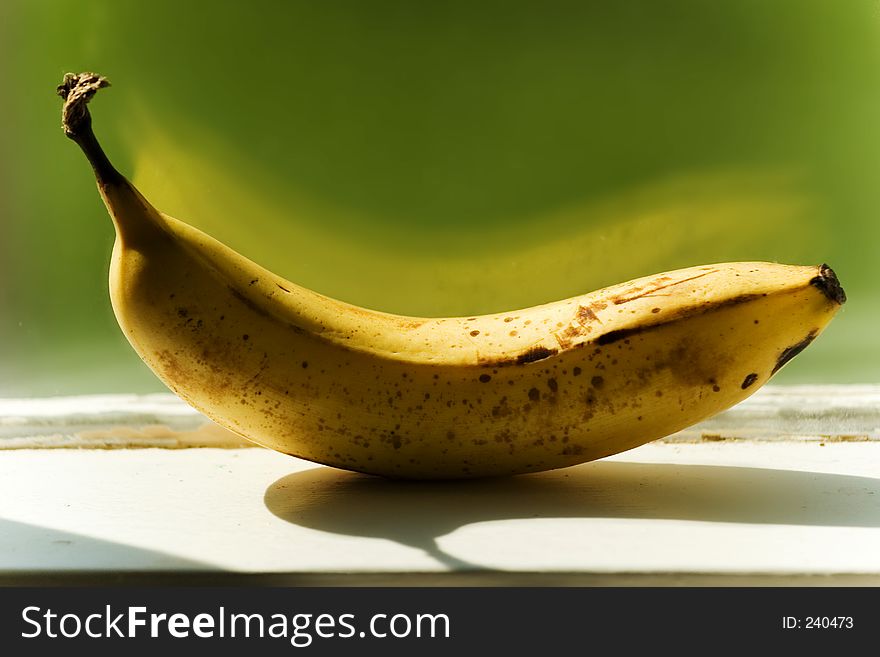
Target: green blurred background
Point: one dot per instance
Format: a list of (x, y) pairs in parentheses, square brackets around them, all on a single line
[(437, 158)]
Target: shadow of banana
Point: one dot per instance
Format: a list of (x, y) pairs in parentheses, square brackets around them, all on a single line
[(416, 514)]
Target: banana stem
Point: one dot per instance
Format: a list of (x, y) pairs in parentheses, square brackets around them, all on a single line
[(77, 91)]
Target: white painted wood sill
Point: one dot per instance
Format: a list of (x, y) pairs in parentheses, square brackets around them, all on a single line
[(783, 489)]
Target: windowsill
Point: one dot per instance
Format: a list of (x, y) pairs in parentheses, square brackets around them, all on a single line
[(762, 494)]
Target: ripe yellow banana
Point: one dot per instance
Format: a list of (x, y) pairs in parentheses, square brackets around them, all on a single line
[(522, 391)]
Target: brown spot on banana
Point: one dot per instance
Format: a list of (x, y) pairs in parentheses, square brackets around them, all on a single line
[(532, 355), (585, 315), (566, 338), (790, 352)]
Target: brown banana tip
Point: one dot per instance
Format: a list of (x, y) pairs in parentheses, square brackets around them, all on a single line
[(828, 282), (77, 91)]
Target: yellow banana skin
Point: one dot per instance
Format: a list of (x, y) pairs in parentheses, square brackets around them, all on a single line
[(427, 398)]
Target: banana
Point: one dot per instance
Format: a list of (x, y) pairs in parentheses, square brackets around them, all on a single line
[(428, 398)]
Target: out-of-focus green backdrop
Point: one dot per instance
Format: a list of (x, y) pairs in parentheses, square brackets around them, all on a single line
[(440, 158)]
